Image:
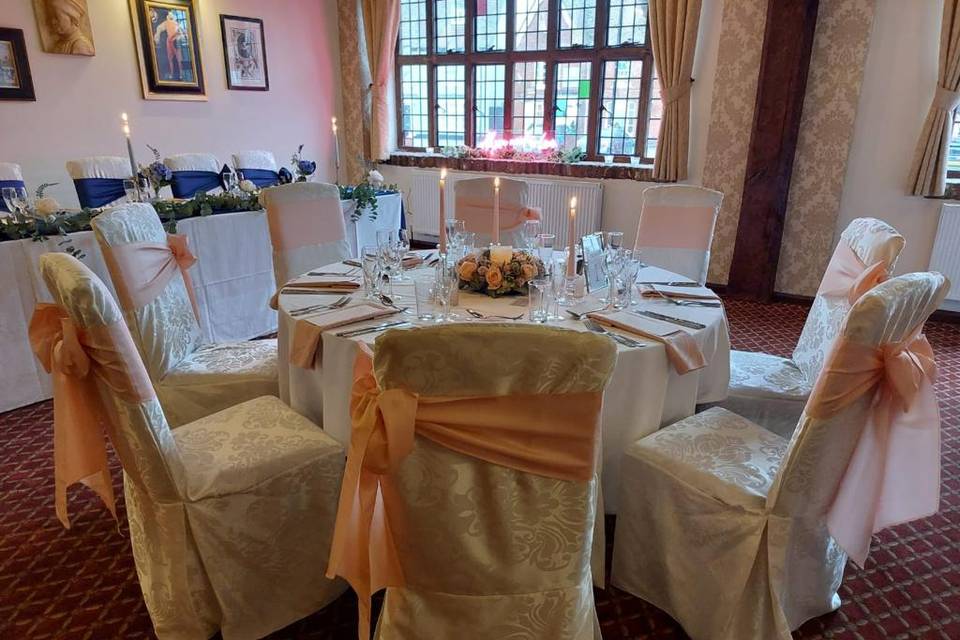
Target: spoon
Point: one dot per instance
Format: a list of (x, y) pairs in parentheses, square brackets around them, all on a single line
[(477, 314)]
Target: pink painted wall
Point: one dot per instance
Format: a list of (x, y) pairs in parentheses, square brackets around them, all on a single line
[(79, 99)]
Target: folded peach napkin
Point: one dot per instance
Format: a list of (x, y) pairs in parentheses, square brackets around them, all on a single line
[(307, 343), (682, 350), (333, 284), (696, 293)]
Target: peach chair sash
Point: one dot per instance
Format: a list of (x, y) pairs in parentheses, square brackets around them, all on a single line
[(147, 268), (298, 224), (548, 435), (75, 357), (894, 473), (676, 227), (477, 214), (847, 275)]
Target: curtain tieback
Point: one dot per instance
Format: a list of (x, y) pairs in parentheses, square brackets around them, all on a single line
[(677, 91), (946, 99)]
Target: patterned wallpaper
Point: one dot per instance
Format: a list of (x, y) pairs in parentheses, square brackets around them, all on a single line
[(826, 130), (354, 80)]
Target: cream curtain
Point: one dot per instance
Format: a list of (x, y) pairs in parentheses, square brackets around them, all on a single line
[(381, 21), (928, 174), (673, 33)]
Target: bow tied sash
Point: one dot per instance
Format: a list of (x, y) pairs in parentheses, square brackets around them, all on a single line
[(76, 358), (260, 177), (548, 435), (894, 473), (847, 276), (145, 268), (97, 192), (187, 184)]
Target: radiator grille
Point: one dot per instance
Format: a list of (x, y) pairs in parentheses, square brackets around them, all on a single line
[(945, 257)]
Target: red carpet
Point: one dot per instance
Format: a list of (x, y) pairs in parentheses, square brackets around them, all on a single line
[(81, 584)]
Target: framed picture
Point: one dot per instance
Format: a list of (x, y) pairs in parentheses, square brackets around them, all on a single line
[(167, 36), (16, 83), (64, 27), (244, 53), (593, 257)]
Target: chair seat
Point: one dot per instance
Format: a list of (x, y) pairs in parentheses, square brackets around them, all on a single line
[(234, 450), (761, 375), (716, 453)]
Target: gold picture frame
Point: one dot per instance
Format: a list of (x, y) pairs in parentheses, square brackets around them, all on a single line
[(167, 38)]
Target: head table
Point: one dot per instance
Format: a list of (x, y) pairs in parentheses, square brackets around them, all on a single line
[(644, 393)]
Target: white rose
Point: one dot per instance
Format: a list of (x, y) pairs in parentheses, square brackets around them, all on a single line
[(47, 206), (375, 178), (247, 186)]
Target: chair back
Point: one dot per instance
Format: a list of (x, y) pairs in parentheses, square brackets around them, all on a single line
[(138, 431), (474, 518), (676, 227), (10, 176), (307, 229), (872, 241), (193, 173), (474, 205), (259, 167), (820, 450), (165, 330), (99, 179)]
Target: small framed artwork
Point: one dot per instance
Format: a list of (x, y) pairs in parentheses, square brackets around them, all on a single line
[(16, 83), (593, 257), (167, 36), (244, 53)]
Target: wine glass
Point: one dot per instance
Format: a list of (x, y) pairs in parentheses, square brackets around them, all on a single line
[(403, 240), (544, 245), (130, 188), (370, 263), (9, 196), (455, 230), (468, 242), (20, 202), (446, 282), (531, 229), (614, 240), (391, 257)]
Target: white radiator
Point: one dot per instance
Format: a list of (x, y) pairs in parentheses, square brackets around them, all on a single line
[(945, 257), (551, 196)]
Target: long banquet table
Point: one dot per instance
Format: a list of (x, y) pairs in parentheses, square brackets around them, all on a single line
[(233, 279), (644, 393)]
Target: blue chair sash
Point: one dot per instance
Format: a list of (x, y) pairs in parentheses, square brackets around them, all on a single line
[(97, 192), (16, 184), (261, 177), (186, 184)]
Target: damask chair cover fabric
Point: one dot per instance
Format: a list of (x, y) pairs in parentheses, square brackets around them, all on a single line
[(307, 229), (10, 176), (771, 390), (231, 517), (676, 227), (193, 173), (192, 379), (99, 179), (260, 167), (723, 524), (488, 551), (474, 205)]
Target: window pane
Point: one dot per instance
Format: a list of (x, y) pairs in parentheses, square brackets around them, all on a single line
[(451, 20), (572, 104), (656, 114), (622, 80), (529, 85), (413, 27), (530, 28), (953, 150), (491, 25), (489, 95), (628, 22), (451, 94), (577, 20), (413, 102)]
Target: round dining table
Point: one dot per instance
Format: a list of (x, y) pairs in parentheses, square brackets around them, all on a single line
[(644, 394)]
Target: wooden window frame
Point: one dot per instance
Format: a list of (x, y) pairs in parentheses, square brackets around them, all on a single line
[(597, 56)]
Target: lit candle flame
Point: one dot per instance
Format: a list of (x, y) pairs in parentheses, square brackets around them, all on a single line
[(123, 116), (496, 182), (126, 130), (443, 173), (573, 202)]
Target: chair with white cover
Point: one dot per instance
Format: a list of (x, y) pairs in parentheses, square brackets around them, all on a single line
[(10, 177), (231, 517), (194, 173), (99, 179), (307, 229), (474, 205), (676, 227), (738, 533), (771, 390), (192, 379), (487, 470), (259, 167)]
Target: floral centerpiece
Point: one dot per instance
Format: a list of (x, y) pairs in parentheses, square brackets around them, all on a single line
[(364, 193), (302, 168), (156, 173), (477, 272)]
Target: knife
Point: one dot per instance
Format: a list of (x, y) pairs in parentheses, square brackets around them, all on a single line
[(374, 329), (352, 263), (681, 283), (689, 324)]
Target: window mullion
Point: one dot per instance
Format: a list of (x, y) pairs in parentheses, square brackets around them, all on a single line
[(550, 79), (593, 114), (644, 111)]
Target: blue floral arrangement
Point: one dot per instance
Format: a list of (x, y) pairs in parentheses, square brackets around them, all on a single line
[(158, 174), (303, 168)]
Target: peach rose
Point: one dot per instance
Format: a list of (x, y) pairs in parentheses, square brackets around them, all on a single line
[(494, 278), (466, 270), (528, 271)]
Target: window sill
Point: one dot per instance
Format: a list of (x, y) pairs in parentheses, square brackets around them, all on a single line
[(601, 170)]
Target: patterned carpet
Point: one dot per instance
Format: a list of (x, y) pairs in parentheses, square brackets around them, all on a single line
[(81, 583)]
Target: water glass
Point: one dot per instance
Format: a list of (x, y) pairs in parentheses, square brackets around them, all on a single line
[(391, 256), (446, 282), (537, 299), (425, 291), (544, 245), (370, 263), (558, 285), (626, 283), (531, 229), (130, 188)]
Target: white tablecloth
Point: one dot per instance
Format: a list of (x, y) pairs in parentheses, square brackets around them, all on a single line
[(233, 279), (644, 393)]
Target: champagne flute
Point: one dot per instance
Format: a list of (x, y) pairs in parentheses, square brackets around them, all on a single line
[(370, 263), (403, 242)]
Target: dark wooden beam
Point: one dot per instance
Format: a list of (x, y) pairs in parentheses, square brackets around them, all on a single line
[(787, 44)]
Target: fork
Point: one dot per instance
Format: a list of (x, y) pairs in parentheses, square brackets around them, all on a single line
[(687, 303), (596, 328), (477, 314), (342, 302)]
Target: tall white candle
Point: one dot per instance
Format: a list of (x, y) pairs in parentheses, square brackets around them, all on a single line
[(126, 133), (336, 147), (496, 210), (571, 235), (443, 212)]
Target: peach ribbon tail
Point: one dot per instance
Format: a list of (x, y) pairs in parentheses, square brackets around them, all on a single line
[(847, 275), (893, 475), (147, 267), (550, 435), (75, 358)]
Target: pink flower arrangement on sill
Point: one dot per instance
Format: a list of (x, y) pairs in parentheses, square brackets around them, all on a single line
[(524, 149)]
